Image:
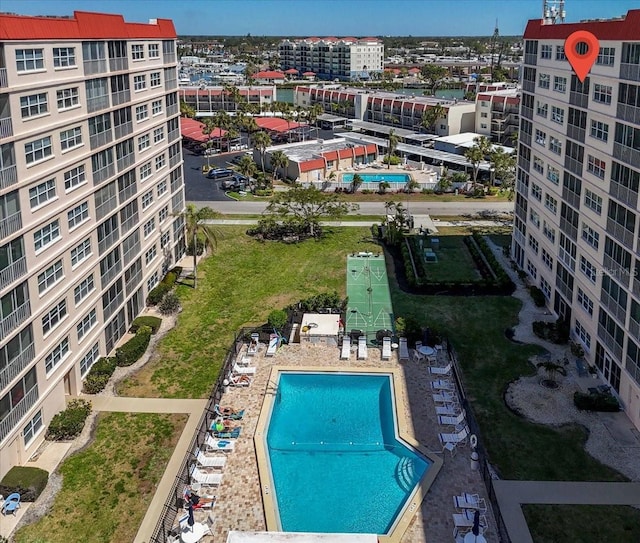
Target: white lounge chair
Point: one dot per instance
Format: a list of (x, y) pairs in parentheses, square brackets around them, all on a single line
[(403, 349), (452, 420), (465, 520), (470, 501), (214, 444), (442, 384), (209, 461), (273, 345), (386, 348), (445, 396), (450, 409), (459, 437), (202, 477), (345, 353), (362, 348), (244, 370), (436, 370), (196, 532)]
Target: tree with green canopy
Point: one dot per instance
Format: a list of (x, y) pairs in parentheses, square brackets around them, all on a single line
[(198, 231)]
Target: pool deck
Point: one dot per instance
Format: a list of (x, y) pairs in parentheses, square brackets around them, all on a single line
[(239, 499), (422, 176)]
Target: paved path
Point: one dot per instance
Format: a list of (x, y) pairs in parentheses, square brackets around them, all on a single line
[(419, 220), (194, 408)]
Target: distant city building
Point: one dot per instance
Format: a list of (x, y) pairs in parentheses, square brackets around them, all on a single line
[(209, 100), (90, 184), (577, 215), (498, 115), (345, 59)]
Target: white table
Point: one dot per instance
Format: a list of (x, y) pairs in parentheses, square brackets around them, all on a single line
[(470, 538), (427, 351)]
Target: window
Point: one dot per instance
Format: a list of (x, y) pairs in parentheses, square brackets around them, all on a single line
[(34, 104), (545, 287), (28, 60), (536, 191), (42, 193), (538, 164), (547, 259), (590, 236), (542, 109), (557, 114), (559, 84), (154, 50), (149, 227), (560, 53), (154, 79), (533, 272), (163, 214), (57, 355), (602, 93), (585, 302), (553, 174), (161, 161), (46, 235), (606, 56), (139, 82), (86, 324), (162, 187), (535, 218), (142, 112), (549, 232), (137, 52), (144, 142), (81, 252), (74, 178), (541, 137), (78, 215), (70, 138), (83, 289), (31, 428), (593, 201), (599, 130), (156, 107), (583, 335), (551, 203), (50, 276), (150, 255), (567, 251), (54, 316), (145, 171), (544, 81), (484, 115), (158, 135), (165, 239), (152, 281), (147, 199), (88, 360), (64, 57), (555, 145), (67, 98), (588, 269), (596, 166), (545, 51), (38, 150)]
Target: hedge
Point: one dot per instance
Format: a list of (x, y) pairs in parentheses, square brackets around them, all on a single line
[(596, 402), (164, 286), (99, 375), (148, 320), (537, 296), (69, 423), (133, 349), (29, 482)]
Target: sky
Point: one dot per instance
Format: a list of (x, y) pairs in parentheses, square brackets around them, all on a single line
[(331, 17)]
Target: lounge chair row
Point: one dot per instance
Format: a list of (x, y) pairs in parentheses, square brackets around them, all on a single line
[(363, 352)]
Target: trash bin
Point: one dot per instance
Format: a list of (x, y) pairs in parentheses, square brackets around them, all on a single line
[(225, 386), (475, 464)]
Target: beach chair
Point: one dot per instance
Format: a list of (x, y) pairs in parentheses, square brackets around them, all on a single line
[(386, 348), (403, 349), (239, 380), (445, 396), (459, 437), (214, 444), (11, 504), (362, 348), (244, 370), (209, 461), (470, 501), (448, 409), (252, 349), (452, 420), (204, 478), (436, 370), (345, 353), (233, 434), (274, 339), (228, 413), (442, 384), (465, 519)]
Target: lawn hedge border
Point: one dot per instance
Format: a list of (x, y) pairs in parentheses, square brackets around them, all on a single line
[(146, 320)]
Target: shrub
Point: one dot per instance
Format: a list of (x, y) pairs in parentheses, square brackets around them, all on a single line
[(133, 349), (277, 319), (95, 383), (537, 296), (401, 327), (170, 303), (555, 332), (104, 366), (69, 423), (321, 302), (147, 320), (29, 482), (156, 294), (596, 402)]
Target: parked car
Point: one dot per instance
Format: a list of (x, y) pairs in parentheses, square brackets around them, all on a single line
[(219, 173), (237, 182)]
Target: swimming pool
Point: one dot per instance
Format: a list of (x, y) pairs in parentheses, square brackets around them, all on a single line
[(335, 459), (378, 177)]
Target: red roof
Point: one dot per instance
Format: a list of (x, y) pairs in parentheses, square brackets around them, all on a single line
[(83, 25), (308, 74), (192, 129), (309, 165), (269, 75), (291, 71), (619, 29), (276, 124)]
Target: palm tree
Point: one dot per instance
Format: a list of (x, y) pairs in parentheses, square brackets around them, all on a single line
[(261, 141), (232, 134), (356, 182), (186, 110), (383, 186), (196, 227), (208, 129), (476, 154), (431, 115), (393, 143), (278, 160), (312, 115)]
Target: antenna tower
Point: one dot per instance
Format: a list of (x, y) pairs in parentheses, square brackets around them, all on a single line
[(553, 12)]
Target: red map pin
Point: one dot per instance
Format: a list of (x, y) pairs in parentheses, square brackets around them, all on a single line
[(580, 59)]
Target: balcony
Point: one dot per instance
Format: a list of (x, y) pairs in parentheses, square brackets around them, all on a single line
[(169, 58), (113, 305), (98, 66), (20, 362), (11, 322), (6, 128), (614, 307), (126, 161), (626, 154), (20, 410), (173, 109), (8, 176), (101, 139), (170, 84), (4, 82), (174, 135), (110, 274), (13, 272), (103, 174), (121, 97), (620, 233), (610, 341), (10, 225), (123, 130), (106, 243), (118, 64), (174, 160), (97, 103)]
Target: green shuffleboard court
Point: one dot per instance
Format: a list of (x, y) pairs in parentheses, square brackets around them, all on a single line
[(369, 307)]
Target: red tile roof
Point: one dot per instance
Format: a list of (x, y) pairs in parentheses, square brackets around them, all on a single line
[(83, 25), (192, 129), (620, 29), (276, 124), (309, 73), (314, 164), (269, 74), (291, 71)]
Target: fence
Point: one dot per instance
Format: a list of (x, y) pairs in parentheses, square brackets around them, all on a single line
[(487, 472)]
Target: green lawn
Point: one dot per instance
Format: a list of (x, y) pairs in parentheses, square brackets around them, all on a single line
[(454, 261), (107, 487)]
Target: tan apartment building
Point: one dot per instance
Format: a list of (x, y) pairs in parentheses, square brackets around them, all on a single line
[(90, 181), (208, 101), (498, 115), (577, 214)]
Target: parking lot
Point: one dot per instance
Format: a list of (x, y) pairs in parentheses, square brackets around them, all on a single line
[(197, 187)]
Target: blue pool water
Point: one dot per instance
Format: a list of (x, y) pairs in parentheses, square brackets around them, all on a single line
[(378, 177), (335, 461)]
